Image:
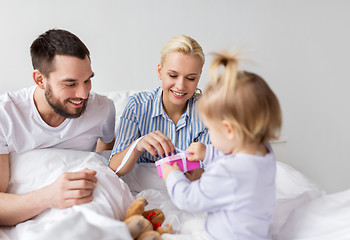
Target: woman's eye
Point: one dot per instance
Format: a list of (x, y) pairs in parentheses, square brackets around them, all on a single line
[(191, 79), (172, 76)]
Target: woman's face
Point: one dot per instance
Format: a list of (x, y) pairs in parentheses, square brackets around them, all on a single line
[(179, 74)]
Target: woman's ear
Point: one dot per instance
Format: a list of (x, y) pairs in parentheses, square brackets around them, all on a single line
[(228, 129), (159, 68), (39, 78)]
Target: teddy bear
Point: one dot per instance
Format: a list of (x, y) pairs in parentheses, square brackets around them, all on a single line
[(145, 225)]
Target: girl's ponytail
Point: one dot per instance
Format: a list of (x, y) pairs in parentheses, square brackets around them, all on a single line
[(226, 78)]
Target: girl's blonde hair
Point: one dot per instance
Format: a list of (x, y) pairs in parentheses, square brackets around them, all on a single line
[(183, 44), (244, 99)]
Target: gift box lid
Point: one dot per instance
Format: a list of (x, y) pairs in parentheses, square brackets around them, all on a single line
[(175, 157)]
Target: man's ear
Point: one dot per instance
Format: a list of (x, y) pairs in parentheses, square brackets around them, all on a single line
[(39, 78), (228, 129)]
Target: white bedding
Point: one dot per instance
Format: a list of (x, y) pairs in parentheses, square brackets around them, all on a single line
[(95, 220), (303, 211)]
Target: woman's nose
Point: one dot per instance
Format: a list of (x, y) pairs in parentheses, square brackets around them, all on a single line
[(180, 83)]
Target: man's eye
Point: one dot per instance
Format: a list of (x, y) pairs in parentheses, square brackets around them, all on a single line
[(70, 85)]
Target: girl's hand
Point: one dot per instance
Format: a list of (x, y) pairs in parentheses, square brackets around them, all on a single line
[(198, 151), (156, 142), (167, 169)]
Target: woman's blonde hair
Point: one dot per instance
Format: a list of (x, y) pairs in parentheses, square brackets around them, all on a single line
[(244, 99), (183, 44)]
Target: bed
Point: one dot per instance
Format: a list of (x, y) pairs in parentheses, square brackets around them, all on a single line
[(303, 210)]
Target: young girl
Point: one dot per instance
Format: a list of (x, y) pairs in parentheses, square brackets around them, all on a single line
[(155, 122), (237, 190)]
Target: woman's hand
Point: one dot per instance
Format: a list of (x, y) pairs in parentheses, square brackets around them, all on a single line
[(198, 151), (156, 142), (167, 169)]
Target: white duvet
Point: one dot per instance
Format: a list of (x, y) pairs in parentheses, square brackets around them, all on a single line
[(303, 211), (94, 220)]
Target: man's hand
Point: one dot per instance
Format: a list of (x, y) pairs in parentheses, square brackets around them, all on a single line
[(198, 151), (72, 188), (167, 169)]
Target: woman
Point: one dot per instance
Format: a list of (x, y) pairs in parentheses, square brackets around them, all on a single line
[(155, 123)]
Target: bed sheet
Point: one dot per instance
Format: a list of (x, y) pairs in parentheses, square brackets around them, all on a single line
[(303, 210), (324, 218)]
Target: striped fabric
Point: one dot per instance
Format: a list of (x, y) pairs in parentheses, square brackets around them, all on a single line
[(144, 113)]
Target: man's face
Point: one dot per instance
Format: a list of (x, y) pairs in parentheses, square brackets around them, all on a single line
[(68, 85)]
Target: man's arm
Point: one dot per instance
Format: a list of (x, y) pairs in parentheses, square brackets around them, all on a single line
[(101, 146), (68, 190), (4, 172), (15, 208)]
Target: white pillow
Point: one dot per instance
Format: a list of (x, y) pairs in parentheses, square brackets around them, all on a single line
[(293, 190), (120, 99), (323, 218)]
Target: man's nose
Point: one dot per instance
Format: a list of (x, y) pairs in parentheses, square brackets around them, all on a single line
[(83, 91)]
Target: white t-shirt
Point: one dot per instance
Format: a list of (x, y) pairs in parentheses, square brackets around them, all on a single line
[(23, 129)]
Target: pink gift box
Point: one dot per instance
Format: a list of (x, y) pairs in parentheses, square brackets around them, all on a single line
[(180, 159)]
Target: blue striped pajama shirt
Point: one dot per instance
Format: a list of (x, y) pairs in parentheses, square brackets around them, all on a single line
[(144, 113)]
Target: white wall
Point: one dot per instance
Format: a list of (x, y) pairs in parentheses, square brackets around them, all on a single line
[(300, 47)]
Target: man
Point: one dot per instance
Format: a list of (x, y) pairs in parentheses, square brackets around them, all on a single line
[(59, 112)]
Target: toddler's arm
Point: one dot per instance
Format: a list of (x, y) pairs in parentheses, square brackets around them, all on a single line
[(167, 169), (198, 151)]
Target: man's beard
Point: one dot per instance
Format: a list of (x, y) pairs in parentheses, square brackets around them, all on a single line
[(60, 108)]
